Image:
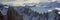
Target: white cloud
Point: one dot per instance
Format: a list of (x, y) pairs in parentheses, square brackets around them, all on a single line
[(54, 0), (20, 2), (33, 1)]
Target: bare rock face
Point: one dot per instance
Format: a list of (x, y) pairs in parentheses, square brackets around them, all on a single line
[(13, 15)]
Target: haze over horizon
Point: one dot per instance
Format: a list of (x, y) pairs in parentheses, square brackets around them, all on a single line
[(21, 2)]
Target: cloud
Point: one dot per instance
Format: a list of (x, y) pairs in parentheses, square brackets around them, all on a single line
[(19, 2), (33, 1)]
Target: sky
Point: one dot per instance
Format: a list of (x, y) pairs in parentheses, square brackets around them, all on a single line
[(21, 2)]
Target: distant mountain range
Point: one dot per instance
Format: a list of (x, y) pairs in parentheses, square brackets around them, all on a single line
[(50, 4), (34, 12), (41, 7)]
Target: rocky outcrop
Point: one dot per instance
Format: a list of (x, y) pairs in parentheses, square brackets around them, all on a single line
[(0, 16), (13, 15)]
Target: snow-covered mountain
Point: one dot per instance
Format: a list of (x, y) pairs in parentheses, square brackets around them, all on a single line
[(34, 13), (50, 4)]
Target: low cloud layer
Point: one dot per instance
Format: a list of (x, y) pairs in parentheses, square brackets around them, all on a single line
[(21, 2)]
